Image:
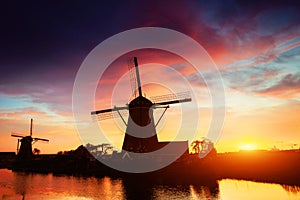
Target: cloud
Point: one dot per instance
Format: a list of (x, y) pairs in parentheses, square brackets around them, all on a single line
[(5, 114), (250, 79), (287, 87), (272, 54), (50, 89), (256, 74), (238, 35)]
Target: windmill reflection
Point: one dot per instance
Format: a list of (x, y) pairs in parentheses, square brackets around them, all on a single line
[(135, 189), (208, 191), (21, 183), (142, 187)]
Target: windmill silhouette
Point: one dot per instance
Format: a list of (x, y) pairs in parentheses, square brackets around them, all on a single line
[(25, 150), (141, 136)]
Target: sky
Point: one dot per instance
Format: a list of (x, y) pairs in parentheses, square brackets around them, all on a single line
[(254, 44)]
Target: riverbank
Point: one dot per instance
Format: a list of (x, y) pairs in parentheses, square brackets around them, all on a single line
[(264, 166)]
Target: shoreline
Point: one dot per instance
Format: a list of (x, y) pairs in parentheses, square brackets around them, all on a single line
[(280, 167)]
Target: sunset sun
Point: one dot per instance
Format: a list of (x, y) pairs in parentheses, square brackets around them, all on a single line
[(248, 147)]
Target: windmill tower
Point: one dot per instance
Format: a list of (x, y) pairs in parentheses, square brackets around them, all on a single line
[(141, 136), (25, 150)]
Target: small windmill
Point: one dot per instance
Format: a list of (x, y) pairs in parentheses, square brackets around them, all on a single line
[(25, 150), (141, 136)]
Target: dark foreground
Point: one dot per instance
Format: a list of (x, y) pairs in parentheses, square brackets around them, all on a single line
[(263, 166)]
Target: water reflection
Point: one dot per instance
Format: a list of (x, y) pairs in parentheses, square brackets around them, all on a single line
[(292, 189), (247, 190), (143, 189), (138, 189), (37, 186), (204, 192), (21, 183)]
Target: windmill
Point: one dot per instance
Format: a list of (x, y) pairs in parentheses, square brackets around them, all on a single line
[(141, 136), (24, 151)]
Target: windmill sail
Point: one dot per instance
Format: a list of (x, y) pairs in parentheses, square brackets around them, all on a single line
[(135, 76), (132, 76), (138, 76), (36, 139), (110, 113), (171, 98), (18, 145), (13, 134), (31, 125)]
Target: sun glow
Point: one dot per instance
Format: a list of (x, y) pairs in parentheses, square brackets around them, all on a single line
[(248, 147)]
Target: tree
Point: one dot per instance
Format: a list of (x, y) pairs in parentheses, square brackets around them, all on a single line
[(197, 145), (100, 150), (204, 147), (36, 151)]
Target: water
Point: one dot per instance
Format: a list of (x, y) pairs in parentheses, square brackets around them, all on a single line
[(17, 185)]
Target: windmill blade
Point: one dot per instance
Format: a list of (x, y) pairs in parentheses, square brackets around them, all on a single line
[(174, 101), (18, 145), (171, 98), (31, 125), (138, 76), (109, 110), (132, 77), (16, 135), (36, 139), (110, 113), (103, 116)]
